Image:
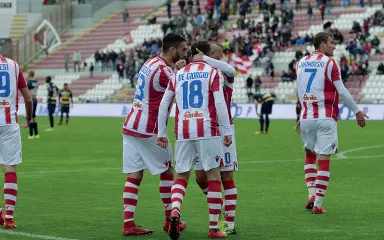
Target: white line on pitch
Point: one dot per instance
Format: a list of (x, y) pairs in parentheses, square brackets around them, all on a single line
[(30, 235), (342, 154)]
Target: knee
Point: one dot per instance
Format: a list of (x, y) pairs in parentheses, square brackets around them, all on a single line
[(226, 176), (136, 175), (184, 176), (201, 179), (309, 152), (9, 168)]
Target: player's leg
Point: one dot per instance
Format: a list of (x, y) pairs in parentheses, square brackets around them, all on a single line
[(308, 135), (267, 123), (31, 127), (201, 176), (267, 112), (34, 119), (134, 166), (61, 116), (51, 111), (211, 155), (10, 151), (261, 120), (67, 116), (326, 145)]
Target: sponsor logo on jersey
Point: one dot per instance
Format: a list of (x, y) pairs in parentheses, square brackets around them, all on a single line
[(309, 97), (189, 115), (137, 104)]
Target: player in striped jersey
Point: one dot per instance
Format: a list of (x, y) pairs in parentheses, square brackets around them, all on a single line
[(200, 107), (12, 81), (140, 149), (319, 85), (230, 155)]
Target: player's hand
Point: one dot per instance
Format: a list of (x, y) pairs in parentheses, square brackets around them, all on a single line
[(298, 127), (199, 56), (360, 118), (162, 142), (227, 141), (180, 64), (26, 124), (258, 114)]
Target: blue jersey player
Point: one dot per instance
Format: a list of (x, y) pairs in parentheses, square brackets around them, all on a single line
[(266, 100)]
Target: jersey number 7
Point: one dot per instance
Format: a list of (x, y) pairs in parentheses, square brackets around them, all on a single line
[(313, 72)]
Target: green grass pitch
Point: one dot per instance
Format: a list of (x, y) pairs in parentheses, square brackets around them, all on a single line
[(71, 182)]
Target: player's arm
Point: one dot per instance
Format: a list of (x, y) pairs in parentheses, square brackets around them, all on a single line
[(166, 102), (221, 107), (255, 97), (333, 72), (22, 85), (223, 66)]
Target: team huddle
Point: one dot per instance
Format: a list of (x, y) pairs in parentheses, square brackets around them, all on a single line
[(201, 86)]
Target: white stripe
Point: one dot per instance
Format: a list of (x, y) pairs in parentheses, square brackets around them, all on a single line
[(230, 213), (214, 195), (130, 195), (232, 191), (129, 208), (323, 173), (310, 175), (165, 195), (10, 197), (10, 186), (179, 187), (309, 166), (214, 206), (178, 195), (164, 183), (230, 202), (213, 218), (320, 182), (176, 204), (30, 235), (128, 220), (310, 184), (128, 184)]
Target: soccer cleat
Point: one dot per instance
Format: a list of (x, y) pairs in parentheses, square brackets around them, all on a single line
[(136, 230), (167, 223), (227, 230), (49, 130), (37, 136), (174, 227), (215, 233), (31, 137), (265, 132), (60, 123), (317, 210), (9, 223), (258, 133), (310, 203)]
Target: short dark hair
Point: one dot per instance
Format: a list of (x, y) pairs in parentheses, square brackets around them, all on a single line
[(172, 40), (320, 38), (48, 79), (65, 84), (203, 46), (31, 74)]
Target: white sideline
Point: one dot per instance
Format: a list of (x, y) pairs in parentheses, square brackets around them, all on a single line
[(339, 156), (30, 235)]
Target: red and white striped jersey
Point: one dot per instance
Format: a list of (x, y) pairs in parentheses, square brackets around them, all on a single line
[(11, 80), (316, 74), (228, 90), (194, 86), (153, 80)]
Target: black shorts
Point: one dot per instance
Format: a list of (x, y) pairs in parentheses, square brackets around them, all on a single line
[(266, 108), (65, 109), (34, 105), (297, 110)]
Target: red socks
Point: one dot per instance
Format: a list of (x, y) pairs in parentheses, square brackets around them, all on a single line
[(166, 182), (310, 173), (131, 190)]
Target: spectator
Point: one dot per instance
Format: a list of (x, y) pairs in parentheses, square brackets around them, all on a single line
[(190, 7), (125, 16), (285, 77), (310, 13), (375, 43), (169, 9), (258, 83), (249, 84), (98, 59), (380, 69), (322, 10), (270, 69), (182, 6), (76, 60), (217, 7), (298, 55), (91, 69), (356, 28), (298, 5), (120, 71), (66, 63)]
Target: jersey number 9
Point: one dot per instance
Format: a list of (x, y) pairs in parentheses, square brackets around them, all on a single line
[(5, 84)]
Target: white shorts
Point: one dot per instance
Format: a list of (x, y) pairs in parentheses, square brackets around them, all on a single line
[(144, 153), (320, 135), (230, 155), (10, 145), (210, 153)]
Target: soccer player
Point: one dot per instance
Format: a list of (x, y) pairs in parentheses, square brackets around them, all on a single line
[(319, 85), (65, 100), (10, 139), (267, 101), (33, 85), (200, 107), (230, 155), (52, 98), (140, 149)]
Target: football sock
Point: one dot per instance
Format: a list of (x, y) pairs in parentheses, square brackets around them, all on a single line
[(310, 173), (266, 123), (61, 117), (51, 124), (31, 127), (67, 119), (261, 123), (166, 182), (35, 128), (214, 200), (131, 190), (230, 197), (10, 193), (322, 180), (178, 193)]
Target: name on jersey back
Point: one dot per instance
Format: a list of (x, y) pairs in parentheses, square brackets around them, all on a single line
[(3, 67), (192, 76), (311, 64)]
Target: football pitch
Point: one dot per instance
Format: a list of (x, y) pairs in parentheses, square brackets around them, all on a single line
[(71, 183)]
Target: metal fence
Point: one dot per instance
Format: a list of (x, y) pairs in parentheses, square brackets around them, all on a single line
[(26, 49)]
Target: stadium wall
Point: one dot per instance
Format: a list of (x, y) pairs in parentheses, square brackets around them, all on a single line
[(280, 111)]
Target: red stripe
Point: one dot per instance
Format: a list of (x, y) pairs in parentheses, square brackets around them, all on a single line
[(319, 186), (319, 57), (307, 57), (229, 219), (231, 197), (230, 207), (8, 115), (177, 123), (214, 200), (12, 192), (305, 110), (331, 97), (3, 59), (130, 201), (200, 127), (214, 211), (310, 170), (153, 62), (315, 110), (212, 223), (322, 178), (200, 67), (187, 68), (128, 117), (185, 129), (137, 120), (10, 202)]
